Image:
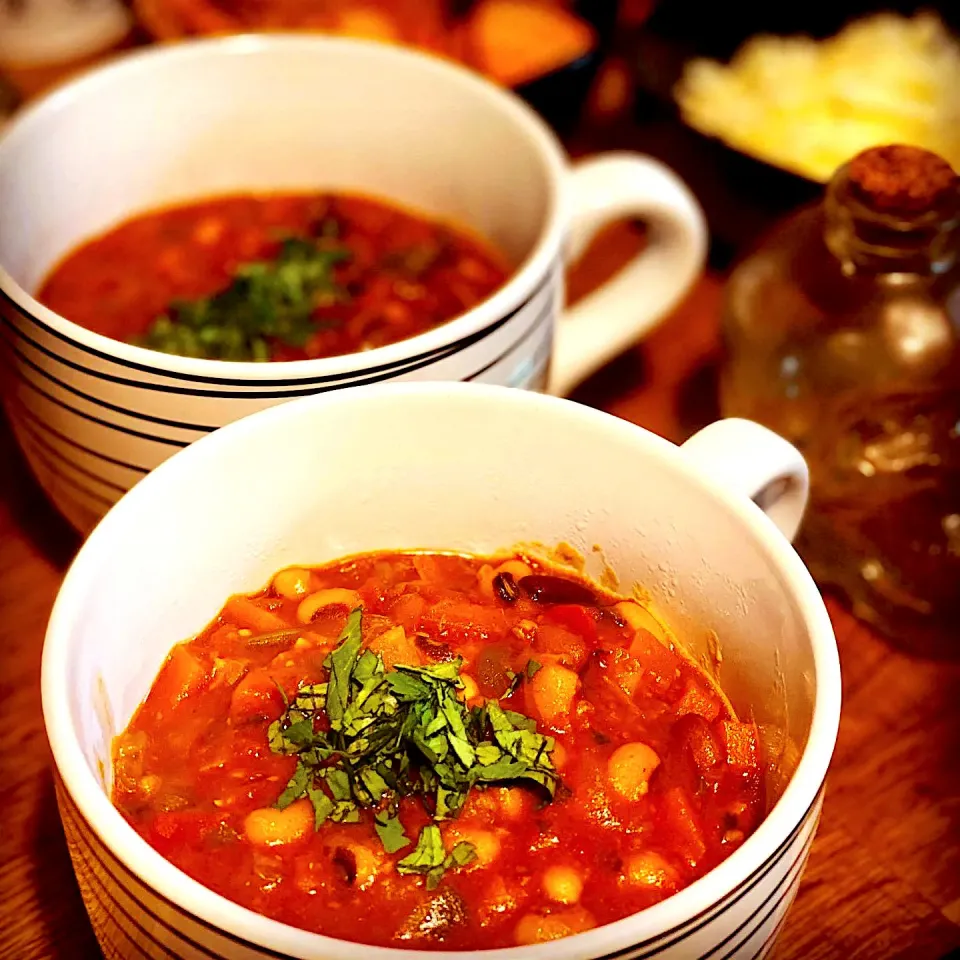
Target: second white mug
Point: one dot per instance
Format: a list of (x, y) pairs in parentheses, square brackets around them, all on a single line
[(297, 113)]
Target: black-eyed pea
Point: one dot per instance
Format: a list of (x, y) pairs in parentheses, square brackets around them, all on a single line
[(269, 827), (312, 604), (362, 862), (292, 583), (563, 884), (541, 928), (629, 769), (485, 577)]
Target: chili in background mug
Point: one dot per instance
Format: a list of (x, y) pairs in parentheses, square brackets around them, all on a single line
[(297, 113)]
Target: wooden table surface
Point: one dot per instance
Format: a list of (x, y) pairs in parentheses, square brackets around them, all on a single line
[(884, 876)]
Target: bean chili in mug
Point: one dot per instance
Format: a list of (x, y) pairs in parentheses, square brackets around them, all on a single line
[(439, 751), (280, 277)]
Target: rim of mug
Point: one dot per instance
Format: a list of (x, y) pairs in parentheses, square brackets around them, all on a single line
[(752, 859), (521, 284)]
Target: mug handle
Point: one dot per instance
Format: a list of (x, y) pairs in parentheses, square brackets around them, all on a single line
[(607, 321), (752, 461)]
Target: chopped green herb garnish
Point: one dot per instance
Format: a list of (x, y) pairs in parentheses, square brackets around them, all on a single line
[(368, 737), (267, 301), (390, 831), (532, 668), (432, 860)]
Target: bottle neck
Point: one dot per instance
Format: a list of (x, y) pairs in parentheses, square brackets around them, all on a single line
[(866, 240)]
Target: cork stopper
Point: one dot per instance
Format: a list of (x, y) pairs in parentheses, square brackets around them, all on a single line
[(901, 180)]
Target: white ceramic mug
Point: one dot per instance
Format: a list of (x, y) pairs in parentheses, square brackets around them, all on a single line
[(450, 467), (267, 113)]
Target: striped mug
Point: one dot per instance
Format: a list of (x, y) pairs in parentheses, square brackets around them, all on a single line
[(265, 113)]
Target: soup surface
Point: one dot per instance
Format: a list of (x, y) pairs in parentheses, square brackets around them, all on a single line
[(437, 751), (284, 277)]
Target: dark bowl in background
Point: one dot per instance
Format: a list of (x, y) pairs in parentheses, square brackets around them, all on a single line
[(559, 96)]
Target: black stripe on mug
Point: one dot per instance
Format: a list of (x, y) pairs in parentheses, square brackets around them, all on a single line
[(21, 411), (700, 921), (519, 342), (679, 933), (768, 942), (100, 896), (61, 476), (392, 369), (61, 459), (81, 847), (98, 402), (102, 855), (169, 441), (782, 891)]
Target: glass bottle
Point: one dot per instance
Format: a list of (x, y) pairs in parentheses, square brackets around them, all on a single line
[(842, 333)]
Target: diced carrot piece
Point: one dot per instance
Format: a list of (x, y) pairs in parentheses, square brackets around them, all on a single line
[(697, 700), (704, 748), (568, 647), (661, 665), (407, 611), (463, 624), (395, 646), (256, 697), (741, 743), (182, 675), (517, 40), (248, 614), (183, 827), (576, 618), (681, 820)]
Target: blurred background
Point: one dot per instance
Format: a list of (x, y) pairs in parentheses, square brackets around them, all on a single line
[(605, 74)]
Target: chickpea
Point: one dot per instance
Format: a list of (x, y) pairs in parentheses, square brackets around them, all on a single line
[(553, 688), (269, 827), (485, 842), (470, 688), (563, 884), (536, 928), (629, 769), (335, 596), (510, 801), (649, 869), (559, 755), (485, 577), (292, 583)]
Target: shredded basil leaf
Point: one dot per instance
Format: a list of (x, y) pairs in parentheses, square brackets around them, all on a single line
[(368, 737), (265, 302)]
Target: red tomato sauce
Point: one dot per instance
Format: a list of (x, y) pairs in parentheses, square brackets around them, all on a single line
[(658, 781), (402, 274)]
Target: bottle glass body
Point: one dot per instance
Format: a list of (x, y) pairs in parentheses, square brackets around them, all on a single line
[(842, 333)]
